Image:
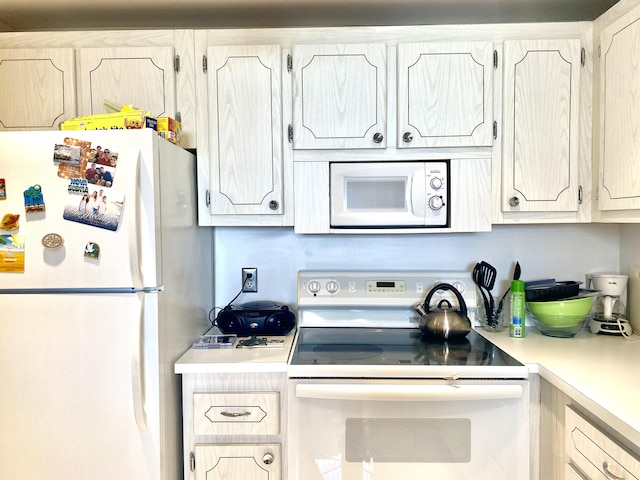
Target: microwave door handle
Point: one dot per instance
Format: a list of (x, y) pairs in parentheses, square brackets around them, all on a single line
[(418, 192), (408, 393)]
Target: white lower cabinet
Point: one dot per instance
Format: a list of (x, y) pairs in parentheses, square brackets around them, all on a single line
[(594, 454), (242, 462), (233, 425)]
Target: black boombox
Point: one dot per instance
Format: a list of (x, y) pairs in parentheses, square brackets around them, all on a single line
[(256, 318)]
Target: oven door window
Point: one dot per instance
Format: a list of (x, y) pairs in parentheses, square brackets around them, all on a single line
[(416, 440)]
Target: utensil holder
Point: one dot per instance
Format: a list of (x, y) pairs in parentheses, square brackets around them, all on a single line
[(499, 321)]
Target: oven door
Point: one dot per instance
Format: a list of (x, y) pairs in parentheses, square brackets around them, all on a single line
[(409, 430)]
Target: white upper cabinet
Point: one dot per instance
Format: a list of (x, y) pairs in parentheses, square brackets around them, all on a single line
[(140, 76), (38, 88), (619, 163), (445, 94), (340, 96), (540, 155), (245, 130), (49, 77)]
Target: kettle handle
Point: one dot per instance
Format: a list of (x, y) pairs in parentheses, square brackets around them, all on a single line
[(446, 286)]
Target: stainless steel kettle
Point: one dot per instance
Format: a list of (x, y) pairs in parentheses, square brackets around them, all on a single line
[(445, 321)]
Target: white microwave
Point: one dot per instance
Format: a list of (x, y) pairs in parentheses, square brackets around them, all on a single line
[(389, 194)]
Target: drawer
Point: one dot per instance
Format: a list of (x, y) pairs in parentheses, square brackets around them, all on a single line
[(252, 413), (594, 453)]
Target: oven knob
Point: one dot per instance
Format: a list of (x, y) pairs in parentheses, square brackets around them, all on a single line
[(436, 202), (436, 183), (459, 286), (314, 286), (332, 286)]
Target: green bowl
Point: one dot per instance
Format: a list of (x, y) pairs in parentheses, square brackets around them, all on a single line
[(560, 318)]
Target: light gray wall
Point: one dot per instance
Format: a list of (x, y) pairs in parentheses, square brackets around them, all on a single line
[(564, 252), (629, 247)]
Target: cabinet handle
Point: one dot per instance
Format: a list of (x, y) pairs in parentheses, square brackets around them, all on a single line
[(378, 137), (407, 137), (235, 414), (605, 467), (268, 459), (273, 205), (514, 201)]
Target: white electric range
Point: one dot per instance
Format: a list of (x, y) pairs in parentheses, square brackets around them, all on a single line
[(370, 396)]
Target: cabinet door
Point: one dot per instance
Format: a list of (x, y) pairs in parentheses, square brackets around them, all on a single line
[(619, 172), (246, 462), (143, 77), (339, 96), (540, 144), (445, 94), (38, 88), (245, 129)]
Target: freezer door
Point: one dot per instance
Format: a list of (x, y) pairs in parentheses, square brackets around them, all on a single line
[(124, 225), (71, 365)]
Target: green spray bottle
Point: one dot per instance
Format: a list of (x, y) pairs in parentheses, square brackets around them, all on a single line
[(516, 325)]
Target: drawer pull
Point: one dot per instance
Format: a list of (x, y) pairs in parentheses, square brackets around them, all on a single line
[(605, 467), (235, 414)]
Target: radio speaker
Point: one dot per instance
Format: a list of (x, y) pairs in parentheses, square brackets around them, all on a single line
[(256, 318)]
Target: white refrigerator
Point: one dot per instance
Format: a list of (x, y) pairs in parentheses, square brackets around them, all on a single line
[(98, 298)]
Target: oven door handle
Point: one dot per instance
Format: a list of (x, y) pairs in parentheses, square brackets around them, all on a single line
[(408, 393)]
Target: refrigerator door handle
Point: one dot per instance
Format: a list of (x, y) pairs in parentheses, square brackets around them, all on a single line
[(137, 363), (133, 199)]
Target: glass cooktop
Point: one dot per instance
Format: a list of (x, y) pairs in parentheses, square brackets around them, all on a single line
[(398, 352)]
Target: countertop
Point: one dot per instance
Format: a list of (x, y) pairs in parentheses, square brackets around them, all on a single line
[(598, 371), (237, 360)]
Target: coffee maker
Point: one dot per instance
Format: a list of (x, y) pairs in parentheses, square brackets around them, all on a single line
[(608, 315)]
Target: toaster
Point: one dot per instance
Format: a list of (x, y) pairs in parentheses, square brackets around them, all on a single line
[(256, 318)]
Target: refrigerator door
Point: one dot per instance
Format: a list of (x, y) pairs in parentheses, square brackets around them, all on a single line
[(68, 401), (124, 228)]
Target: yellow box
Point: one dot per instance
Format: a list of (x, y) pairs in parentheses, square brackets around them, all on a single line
[(170, 128), (130, 119)]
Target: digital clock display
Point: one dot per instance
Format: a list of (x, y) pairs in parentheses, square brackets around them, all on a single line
[(385, 287)]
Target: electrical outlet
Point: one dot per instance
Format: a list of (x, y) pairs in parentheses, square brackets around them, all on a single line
[(249, 279)]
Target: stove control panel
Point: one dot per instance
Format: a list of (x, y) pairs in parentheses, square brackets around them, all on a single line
[(378, 288)]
